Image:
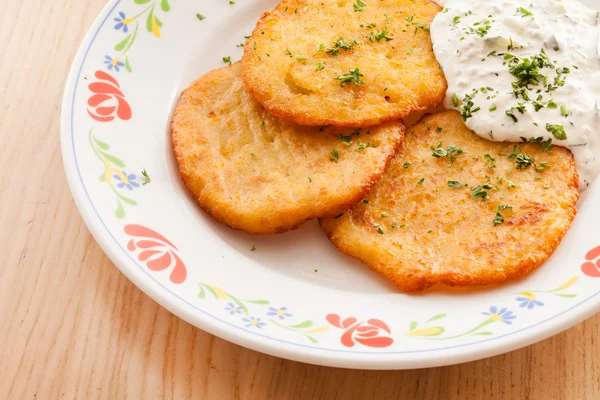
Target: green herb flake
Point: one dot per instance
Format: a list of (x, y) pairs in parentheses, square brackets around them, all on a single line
[(456, 184), (406, 165), (558, 131), (499, 219), (146, 177), (200, 16), (335, 156), (359, 6), (227, 60), (351, 77)]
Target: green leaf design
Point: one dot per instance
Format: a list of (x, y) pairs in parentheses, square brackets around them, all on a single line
[(312, 339), (239, 303), (202, 293), (120, 213), (165, 6), (413, 325), (305, 324), (212, 291), (115, 160), (158, 22), (483, 333), (257, 301), (100, 144), (128, 200), (141, 1), (101, 177), (149, 20), (135, 31), (121, 45), (127, 65), (439, 316), (565, 295)]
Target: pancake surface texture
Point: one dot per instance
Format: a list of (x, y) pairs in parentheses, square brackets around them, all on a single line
[(257, 173), (422, 226), (344, 62)]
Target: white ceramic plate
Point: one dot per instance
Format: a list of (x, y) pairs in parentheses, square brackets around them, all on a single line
[(295, 296)]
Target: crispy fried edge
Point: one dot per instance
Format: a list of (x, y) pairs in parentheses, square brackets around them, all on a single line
[(411, 282), (234, 220)]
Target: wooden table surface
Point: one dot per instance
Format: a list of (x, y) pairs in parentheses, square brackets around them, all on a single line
[(72, 326)]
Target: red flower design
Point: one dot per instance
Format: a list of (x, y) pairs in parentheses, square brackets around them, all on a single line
[(156, 251), (372, 332), (591, 268), (107, 100)]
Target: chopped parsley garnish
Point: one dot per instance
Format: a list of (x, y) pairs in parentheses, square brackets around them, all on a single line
[(379, 36), (438, 129), (227, 60), (301, 58), (478, 192), (262, 123), (146, 177), (200, 16), (359, 6), (558, 131), (253, 248), (406, 165), (510, 184), (524, 12), (421, 181), (563, 110), (545, 145), (468, 107), (338, 45), (451, 152), (366, 201), (320, 66), (480, 28), (499, 217), (523, 161), (492, 108), (490, 162), (456, 184), (379, 229), (456, 20), (351, 77), (335, 156), (394, 225), (455, 100)]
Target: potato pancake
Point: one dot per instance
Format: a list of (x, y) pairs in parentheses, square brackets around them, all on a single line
[(260, 174), (344, 62), (456, 209)]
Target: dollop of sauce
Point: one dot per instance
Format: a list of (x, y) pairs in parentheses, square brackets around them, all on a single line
[(525, 71)]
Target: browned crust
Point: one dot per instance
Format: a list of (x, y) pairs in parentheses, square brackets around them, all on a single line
[(284, 110), (350, 238), (274, 217)]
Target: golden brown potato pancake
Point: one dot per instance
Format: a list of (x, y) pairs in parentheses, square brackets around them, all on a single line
[(344, 62), (260, 174), (422, 226)]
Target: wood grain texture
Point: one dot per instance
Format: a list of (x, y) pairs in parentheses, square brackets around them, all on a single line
[(72, 326)]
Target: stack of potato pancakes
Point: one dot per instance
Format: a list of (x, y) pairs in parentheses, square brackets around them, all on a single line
[(309, 125)]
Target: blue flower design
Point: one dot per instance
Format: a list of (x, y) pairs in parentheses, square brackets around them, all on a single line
[(113, 63), (503, 315), (233, 309), (122, 22), (130, 181), (253, 321), (281, 312), (529, 302)]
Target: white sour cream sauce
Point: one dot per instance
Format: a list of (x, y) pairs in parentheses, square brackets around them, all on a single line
[(568, 33)]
